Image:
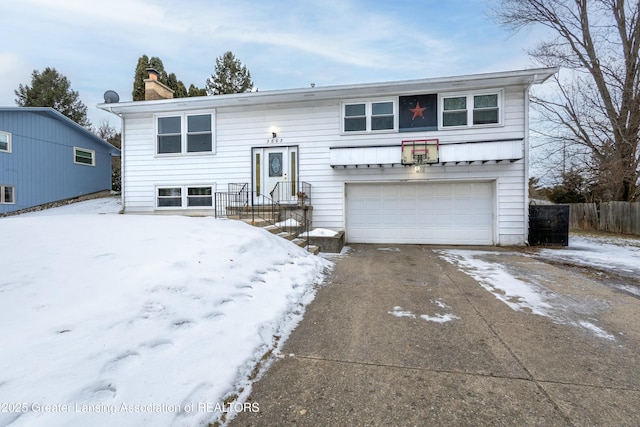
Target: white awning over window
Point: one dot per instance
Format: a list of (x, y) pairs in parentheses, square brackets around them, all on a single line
[(468, 152)]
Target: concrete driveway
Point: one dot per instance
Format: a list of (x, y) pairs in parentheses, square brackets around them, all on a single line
[(401, 337)]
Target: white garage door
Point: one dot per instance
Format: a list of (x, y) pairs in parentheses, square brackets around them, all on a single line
[(429, 213)]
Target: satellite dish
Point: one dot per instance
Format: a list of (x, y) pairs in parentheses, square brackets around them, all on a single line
[(111, 97)]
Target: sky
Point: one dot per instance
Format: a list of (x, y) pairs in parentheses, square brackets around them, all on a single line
[(285, 44)]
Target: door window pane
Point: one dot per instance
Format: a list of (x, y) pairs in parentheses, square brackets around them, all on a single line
[(275, 164)]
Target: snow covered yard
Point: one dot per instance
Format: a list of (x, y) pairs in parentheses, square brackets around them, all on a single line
[(525, 286), (618, 254), (130, 320)]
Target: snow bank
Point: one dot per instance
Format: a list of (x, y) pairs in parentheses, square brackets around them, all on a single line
[(139, 320)]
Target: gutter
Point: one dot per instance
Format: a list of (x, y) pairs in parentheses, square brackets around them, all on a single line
[(526, 156)]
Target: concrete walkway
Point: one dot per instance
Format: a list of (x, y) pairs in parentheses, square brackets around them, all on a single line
[(364, 356)]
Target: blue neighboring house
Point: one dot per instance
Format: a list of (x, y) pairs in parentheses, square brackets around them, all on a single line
[(46, 157)]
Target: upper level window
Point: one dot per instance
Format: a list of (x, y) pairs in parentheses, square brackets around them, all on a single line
[(369, 116), (485, 109), (84, 157), (199, 136), (454, 111), (169, 135), (471, 109), (5, 142), (185, 133)]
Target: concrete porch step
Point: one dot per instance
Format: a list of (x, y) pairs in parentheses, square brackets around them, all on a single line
[(257, 222), (292, 237)]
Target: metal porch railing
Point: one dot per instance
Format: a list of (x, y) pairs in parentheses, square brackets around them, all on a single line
[(278, 209)]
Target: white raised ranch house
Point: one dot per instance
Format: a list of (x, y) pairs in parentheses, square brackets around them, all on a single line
[(433, 161)]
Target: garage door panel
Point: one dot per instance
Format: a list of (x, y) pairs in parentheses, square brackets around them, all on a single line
[(429, 213)]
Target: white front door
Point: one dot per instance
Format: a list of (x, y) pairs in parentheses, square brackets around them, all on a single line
[(275, 167)]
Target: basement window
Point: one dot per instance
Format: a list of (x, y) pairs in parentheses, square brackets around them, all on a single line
[(185, 196), (199, 197), (170, 197)]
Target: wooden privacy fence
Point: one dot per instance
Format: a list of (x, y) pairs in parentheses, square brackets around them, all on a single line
[(614, 217)]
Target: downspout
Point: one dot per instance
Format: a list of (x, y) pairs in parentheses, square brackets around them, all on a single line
[(122, 174), (526, 157)]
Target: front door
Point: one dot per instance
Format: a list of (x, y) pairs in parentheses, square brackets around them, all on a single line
[(275, 174)]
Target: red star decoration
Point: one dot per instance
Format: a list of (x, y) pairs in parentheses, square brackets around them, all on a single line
[(417, 112)]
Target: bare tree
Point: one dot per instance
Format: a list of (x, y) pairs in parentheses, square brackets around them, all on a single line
[(113, 137), (596, 108)]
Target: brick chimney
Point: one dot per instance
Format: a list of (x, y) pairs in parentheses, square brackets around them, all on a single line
[(153, 89)]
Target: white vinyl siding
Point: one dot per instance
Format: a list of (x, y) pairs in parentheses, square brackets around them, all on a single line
[(5, 142), (315, 127)]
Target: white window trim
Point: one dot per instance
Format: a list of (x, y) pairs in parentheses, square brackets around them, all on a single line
[(13, 193), (184, 195), (469, 95), (183, 133), (93, 156), (368, 115), (8, 150)]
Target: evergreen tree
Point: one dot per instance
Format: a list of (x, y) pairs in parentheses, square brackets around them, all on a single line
[(51, 89), (179, 89), (138, 79), (156, 64), (144, 62), (571, 190), (196, 91), (230, 76), (170, 80)]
